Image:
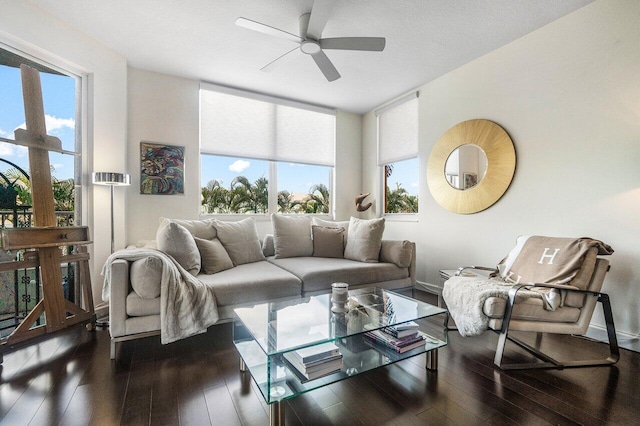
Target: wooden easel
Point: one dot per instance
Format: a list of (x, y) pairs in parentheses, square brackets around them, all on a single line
[(46, 238)]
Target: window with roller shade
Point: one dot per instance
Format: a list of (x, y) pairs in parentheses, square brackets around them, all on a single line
[(261, 154), (398, 154)]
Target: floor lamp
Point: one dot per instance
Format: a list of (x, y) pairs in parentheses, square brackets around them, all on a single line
[(112, 180)]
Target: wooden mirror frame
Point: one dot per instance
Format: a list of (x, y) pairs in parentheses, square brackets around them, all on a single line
[(501, 166)]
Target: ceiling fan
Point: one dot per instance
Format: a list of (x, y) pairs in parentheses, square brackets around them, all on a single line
[(310, 42)]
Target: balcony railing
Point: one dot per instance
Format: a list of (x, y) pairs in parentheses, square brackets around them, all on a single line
[(20, 289)]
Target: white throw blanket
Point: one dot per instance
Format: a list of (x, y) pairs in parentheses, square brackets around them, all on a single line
[(465, 298), (187, 306)]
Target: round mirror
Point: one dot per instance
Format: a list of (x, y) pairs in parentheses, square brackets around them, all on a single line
[(465, 166), (480, 185)]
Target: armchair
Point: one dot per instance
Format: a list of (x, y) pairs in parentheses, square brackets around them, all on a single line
[(510, 311)]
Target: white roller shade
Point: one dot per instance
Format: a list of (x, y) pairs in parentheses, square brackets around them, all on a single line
[(398, 130), (239, 126)]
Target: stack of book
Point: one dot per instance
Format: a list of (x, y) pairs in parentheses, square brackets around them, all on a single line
[(401, 338), (315, 361)]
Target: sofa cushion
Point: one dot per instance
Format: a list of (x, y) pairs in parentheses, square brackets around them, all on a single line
[(138, 306), (177, 242), (292, 236), (214, 257), (198, 228), (328, 242), (146, 275), (252, 282), (333, 224), (240, 239), (365, 239), (530, 309), (398, 252), (317, 273)]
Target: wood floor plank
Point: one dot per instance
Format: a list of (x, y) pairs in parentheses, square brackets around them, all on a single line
[(220, 406)]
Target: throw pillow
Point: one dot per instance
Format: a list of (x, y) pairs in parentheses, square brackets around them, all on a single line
[(214, 257), (146, 276), (177, 242), (328, 223), (398, 252), (240, 239), (198, 228), (292, 236), (365, 239), (328, 242)]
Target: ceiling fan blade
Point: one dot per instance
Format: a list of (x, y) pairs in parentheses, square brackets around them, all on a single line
[(372, 44), (320, 13), (266, 29), (279, 60), (325, 65)]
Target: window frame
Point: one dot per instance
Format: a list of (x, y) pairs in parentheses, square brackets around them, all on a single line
[(272, 206), (81, 162), (400, 217), (273, 163)]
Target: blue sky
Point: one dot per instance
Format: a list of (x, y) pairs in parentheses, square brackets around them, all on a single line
[(59, 105), (58, 93)]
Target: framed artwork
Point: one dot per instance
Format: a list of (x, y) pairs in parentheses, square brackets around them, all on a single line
[(161, 169), (470, 180)]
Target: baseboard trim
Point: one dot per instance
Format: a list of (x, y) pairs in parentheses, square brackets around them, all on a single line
[(625, 340)]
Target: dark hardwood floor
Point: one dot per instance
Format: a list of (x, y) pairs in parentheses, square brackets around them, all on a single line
[(70, 380)]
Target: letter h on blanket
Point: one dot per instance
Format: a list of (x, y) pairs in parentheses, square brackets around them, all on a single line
[(544, 285)]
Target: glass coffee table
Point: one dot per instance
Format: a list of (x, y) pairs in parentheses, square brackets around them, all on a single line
[(264, 335)]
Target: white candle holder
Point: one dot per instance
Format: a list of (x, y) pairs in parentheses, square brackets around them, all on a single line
[(339, 297)]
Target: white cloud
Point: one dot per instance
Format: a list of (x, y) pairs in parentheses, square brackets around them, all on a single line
[(9, 149), (57, 166), (414, 184), (54, 123), (239, 166), (6, 149), (4, 134)]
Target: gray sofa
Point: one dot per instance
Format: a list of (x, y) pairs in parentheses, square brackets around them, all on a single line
[(132, 316)]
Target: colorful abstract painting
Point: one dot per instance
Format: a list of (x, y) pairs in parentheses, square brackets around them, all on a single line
[(161, 169)]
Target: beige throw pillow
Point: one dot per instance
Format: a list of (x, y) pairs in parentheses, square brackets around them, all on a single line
[(331, 224), (365, 239), (198, 228), (177, 242), (398, 252), (292, 236), (146, 276), (328, 242), (240, 239), (214, 257)]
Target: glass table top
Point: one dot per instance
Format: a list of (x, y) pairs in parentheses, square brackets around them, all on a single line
[(280, 327)]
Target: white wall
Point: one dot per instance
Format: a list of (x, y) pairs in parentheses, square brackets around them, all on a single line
[(36, 32), (569, 96), (164, 108)]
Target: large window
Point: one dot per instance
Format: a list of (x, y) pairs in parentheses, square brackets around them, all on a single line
[(398, 155), (61, 93), (261, 155), (62, 98)]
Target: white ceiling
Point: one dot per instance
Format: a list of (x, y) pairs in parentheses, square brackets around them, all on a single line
[(198, 39)]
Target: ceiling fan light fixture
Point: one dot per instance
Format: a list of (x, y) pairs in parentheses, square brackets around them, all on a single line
[(310, 47)]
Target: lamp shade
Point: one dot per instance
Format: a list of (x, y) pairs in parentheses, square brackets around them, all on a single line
[(110, 178)]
